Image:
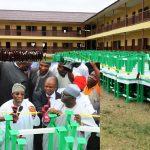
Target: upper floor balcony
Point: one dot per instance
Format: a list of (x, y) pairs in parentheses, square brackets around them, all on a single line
[(128, 21), (58, 33), (99, 28)]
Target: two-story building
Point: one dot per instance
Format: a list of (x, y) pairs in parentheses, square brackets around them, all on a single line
[(124, 25)]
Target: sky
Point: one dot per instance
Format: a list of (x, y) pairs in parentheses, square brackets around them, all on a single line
[(56, 5)]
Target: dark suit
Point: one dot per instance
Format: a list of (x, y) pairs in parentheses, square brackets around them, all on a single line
[(9, 75), (39, 99), (33, 80)]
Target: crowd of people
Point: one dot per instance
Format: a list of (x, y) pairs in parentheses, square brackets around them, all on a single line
[(49, 88), (20, 55)]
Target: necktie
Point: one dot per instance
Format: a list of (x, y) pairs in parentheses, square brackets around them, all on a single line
[(48, 102), (46, 118)]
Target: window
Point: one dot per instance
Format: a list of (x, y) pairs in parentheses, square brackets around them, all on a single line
[(54, 28), (31, 44), (44, 45), (118, 19), (43, 28), (18, 44), (65, 29), (140, 10), (7, 27), (7, 44), (34, 28), (28, 28), (7, 30), (79, 32), (146, 8), (18, 30), (31, 28), (79, 45), (28, 44), (133, 13), (145, 43), (54, 45), (65, 45), (18, 27)]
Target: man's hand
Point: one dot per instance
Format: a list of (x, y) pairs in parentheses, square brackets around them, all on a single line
[(15, 117), (77, 118), (32, 109), (54, 111)]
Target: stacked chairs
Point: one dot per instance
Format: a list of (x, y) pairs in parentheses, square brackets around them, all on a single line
[(127, 77), (125, 73), (145, 78)]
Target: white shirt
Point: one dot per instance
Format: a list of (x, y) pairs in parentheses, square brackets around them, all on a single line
[(52, 98), (62, 81), (60, 121), (85, 102), (82, 70), (25, 121)]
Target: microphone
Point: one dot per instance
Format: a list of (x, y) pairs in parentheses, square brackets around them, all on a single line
[(15, 115), (19, 110)]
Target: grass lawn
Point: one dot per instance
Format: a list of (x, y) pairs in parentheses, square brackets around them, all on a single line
[(124, 126)]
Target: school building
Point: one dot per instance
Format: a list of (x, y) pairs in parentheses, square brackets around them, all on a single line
[(124, 25)]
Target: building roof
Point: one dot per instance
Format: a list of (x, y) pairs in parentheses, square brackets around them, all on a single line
[(44, 16)]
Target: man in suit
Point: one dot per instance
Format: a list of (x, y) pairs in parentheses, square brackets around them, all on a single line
[(47, 96), (38, 77), (11, 73)]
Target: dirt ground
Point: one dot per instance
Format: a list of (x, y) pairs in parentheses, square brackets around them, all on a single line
[(124, 126)]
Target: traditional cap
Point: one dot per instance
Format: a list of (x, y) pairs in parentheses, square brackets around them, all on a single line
[(68, 65), (18, 87), (80, 81), (73, 90)]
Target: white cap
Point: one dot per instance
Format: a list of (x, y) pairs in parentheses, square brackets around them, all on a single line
[(18, 87), (73, 90)]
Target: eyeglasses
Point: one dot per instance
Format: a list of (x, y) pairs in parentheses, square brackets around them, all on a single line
[(17, 93)]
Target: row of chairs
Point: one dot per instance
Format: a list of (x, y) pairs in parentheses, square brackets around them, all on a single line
[(125, 73)]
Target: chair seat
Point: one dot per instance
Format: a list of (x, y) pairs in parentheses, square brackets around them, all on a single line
[(127, 78)]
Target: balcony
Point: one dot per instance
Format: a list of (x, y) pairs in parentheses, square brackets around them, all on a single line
[(128, 21), (49, 49), (59, 33)]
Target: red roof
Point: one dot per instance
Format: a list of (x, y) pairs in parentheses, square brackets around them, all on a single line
[(44, 16)]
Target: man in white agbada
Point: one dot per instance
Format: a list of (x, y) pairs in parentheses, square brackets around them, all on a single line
[(64, 75), (21, 121), (80, 69), (68, 102)]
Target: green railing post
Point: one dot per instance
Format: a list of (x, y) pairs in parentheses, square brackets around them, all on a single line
[(69, 142), (68, 119), (62, 133), (52, 120), (7, 118), (13, 134), (81, 143), (21, 143), (51, 135), (74, 126)]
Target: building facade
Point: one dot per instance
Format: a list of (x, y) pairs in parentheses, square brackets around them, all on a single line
[(124, 25)]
